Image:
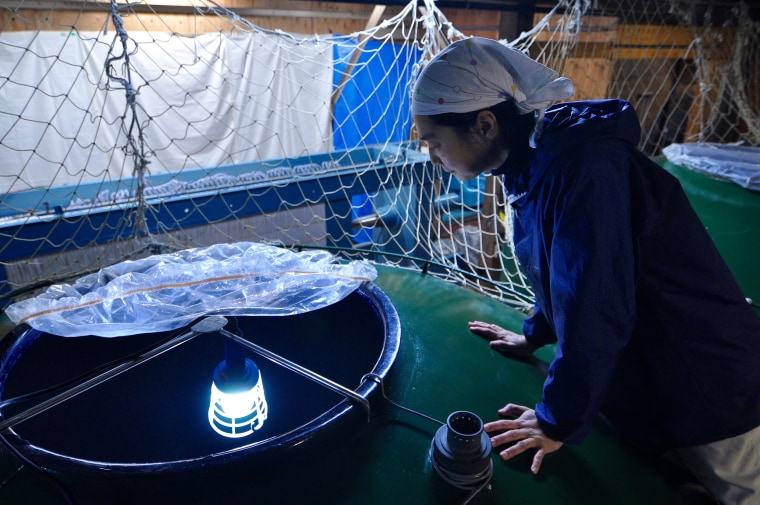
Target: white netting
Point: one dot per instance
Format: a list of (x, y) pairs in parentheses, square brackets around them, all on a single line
[(129, 131)]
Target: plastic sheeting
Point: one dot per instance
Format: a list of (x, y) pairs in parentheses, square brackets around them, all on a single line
[(166, 292), (738, 164), (384, 68)]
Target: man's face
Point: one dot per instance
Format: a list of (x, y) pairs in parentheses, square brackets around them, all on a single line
[(465, 156)]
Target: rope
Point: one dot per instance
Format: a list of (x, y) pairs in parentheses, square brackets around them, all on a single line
[(135, 146)]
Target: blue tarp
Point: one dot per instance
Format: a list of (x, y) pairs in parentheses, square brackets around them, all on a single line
[(373, 107)]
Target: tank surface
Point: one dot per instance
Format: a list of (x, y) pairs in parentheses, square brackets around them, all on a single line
[(441, 368)]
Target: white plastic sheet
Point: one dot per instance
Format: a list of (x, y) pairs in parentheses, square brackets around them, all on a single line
[(166, 292), (62, 119)]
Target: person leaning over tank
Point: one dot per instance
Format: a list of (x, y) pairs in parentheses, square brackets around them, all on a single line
[(651, 329)]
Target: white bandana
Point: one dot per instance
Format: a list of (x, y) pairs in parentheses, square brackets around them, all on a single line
[(477, 73)]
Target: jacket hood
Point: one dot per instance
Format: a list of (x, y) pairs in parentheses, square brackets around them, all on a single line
[(568, 126), (592, 119)]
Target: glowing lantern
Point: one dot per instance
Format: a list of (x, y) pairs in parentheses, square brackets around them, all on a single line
[(238, 406)]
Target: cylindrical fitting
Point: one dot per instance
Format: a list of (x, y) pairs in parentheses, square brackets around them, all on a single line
[(461, 450), (464, 434)]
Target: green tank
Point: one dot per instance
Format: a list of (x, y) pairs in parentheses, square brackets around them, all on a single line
[(731, 215)]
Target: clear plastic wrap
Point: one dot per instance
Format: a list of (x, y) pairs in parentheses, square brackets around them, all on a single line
[(166, 292), (738, 164)]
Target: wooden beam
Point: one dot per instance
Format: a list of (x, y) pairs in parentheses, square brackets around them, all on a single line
[(593, 29)]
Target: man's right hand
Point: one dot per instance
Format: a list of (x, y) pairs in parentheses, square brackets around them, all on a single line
[(503, 340)]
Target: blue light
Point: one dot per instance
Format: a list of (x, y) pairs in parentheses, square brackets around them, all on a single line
[(238, 406)]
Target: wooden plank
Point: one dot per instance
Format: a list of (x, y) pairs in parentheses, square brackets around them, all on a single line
[(51, 20), (590, 76), (647, 85), (476, 23), (753, 87), (640, 42), (603, 37), (655, 35), (315, 17), (545, 51), (700, 107), (692, 125), (593, 29), (643, 42)]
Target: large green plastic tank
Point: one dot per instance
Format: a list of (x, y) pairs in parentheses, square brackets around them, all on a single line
[(441, 368), (731, 214)]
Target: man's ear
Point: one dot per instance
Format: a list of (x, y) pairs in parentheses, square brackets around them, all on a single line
[(487, 125)]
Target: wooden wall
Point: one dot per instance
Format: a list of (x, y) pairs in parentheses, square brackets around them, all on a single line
[(645, 64), (298, 17)]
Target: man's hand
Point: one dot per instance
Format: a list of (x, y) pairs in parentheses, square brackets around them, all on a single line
[(524, 431), (502, 340)]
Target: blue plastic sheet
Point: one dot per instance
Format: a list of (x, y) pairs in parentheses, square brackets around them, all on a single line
[(384, 115)]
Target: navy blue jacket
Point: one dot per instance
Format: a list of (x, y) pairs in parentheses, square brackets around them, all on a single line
[(651, 327)]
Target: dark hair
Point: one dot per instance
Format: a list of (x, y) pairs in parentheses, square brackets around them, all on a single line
[(515, 127)]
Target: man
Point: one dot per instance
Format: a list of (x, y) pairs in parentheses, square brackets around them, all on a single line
[(651, 328)]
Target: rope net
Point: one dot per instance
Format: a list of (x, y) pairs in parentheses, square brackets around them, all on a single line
[(124, 133)]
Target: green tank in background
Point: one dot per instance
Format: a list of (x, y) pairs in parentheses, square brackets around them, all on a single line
[(723, 184)]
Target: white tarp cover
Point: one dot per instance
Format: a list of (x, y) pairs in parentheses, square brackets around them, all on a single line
[(166, 292), (738, 164), (201, 101)]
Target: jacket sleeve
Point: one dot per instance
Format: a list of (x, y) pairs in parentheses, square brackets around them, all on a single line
[(591, 284), (537, 330)]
